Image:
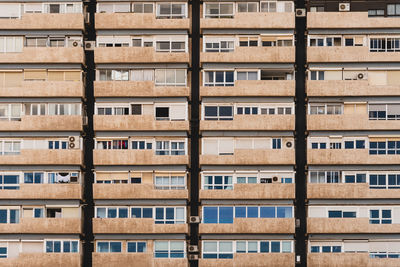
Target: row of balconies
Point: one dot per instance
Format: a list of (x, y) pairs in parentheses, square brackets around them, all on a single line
[(240, 191), (240, 88), (240, 157), (317, 20)]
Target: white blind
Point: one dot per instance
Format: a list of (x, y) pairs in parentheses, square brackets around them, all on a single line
[(178, 112), (355, 246), (226, 146), (9, 10), (244, 144), (210, 147)]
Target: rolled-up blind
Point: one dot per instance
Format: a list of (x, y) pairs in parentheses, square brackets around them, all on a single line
[(35, 75), (226, 146), (9, 10), (393, 109), (12, 79), (377, 107), (210, 147), (73, 75), (355, 246), (56, 75)]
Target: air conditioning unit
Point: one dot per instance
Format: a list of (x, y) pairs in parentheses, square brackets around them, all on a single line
[(193, 257), (90, 45), (193, 248), (344, 7), (289, 144), (275, 180), (73, 142), (362, 76), (194, 219), (300, 12)]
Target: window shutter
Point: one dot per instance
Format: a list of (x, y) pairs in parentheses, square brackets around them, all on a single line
[(9, 10), (35, 74), (355, 246), (393, 109), (210, 147), (178, 112), (226, 146), (56, 75), (73, 75), (12, 79), (244, 144)]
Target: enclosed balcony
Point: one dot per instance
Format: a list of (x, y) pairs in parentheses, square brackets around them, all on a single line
[(45, 55), (255, 259), (40, 21), (135, 191), (251, 157), (137, 123), (350, 88), (137, 89), (140, 259), (43, 157), (349, 20), (243, 122), (348, 260), (348, 226), (250, 226), (259, 20), (44, 191), (348, 157), (133, 157), (137, 55), (349, 54), (251, 88), (44, 123), (252, 191), (349, 191), (111, 21), (44, 89), (349, 122), (43, 260), (135, 226), (43, 226)]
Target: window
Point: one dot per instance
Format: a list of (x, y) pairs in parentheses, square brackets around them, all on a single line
[(138, 212), (10, 10), (113, 144), (136, 109), (380, 216), (170, 148), (268, 6), (141, 145), (384, 111), (170, 77), (9, 216), (10, 147), (11, 44), (218, 10), (393, 9), (109, 247), (33, 177), (247, 7), (112, 212), (384, 44), (171, 11), (218, 182), (58, 144), (326, 249), (217, 249), (248, 41), (318, 145), (247, 75), (383, 148), (60, 246), (170, 46), (136, 247), (9, 182), (276, 143), (10, 112), (218, 78), (64, 109), (219, 46), (162, 113), (169, 215), (3, 252), (142, 8), (169, 249), (325, 109), (376, 12), (341, 214), (355, 178), (113, 110), (170, 182), (384, 181), (218, 113), (114, 75), (317, 75), (323, 177)]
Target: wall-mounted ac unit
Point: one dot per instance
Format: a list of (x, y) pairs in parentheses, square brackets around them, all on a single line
[(275, 180), (300, 12), (193, 248), (344, 7), (90, 45), (194, 219), (289, 144), (362, 76), (73, 142)]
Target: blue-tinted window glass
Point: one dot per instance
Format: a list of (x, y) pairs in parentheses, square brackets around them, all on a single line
[(112, 213), (57, 246), (169, 213), (49, 246), (102, 247), (326, 249), (66, 247), (252, 212), (11, 179), (74, 246), (336, 249), (349, 214), (210, 215), (361, 178), (373, 179), (159, 213), (382, 179), (264, 246), (115, 246), (28, 178), (314, 249), (226, 215), (147, 213), (335, 214), (275, 246), (360, 144), (350, 179), (240, 212), (3, 216), (38, 178), (322, 145), (314, 145), (349, 144), (123, 213), (284, 212), (14, 216), (136, 213), (267, 212), (141, 247), (132, 247)]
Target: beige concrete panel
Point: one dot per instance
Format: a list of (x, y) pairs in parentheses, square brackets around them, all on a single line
[(251, 157), (135, 191), (349, 54), (258, 20), (45, 22), (348, 157), (44, 123), (252, 260), (348, 225), (350, 88), (349, 122), (136, 123), (252, 54), (349, 191), (45, 55), (251, 88), (245, 122), (133, 89), (250, 226), (133, 225), (252, 191), (44, 191), (44, 89), (43, 260), (43, 226), (129, 157), (134, 259), (137, 21), (137, 55), (44, 157), (346, 20), (393, 77)]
